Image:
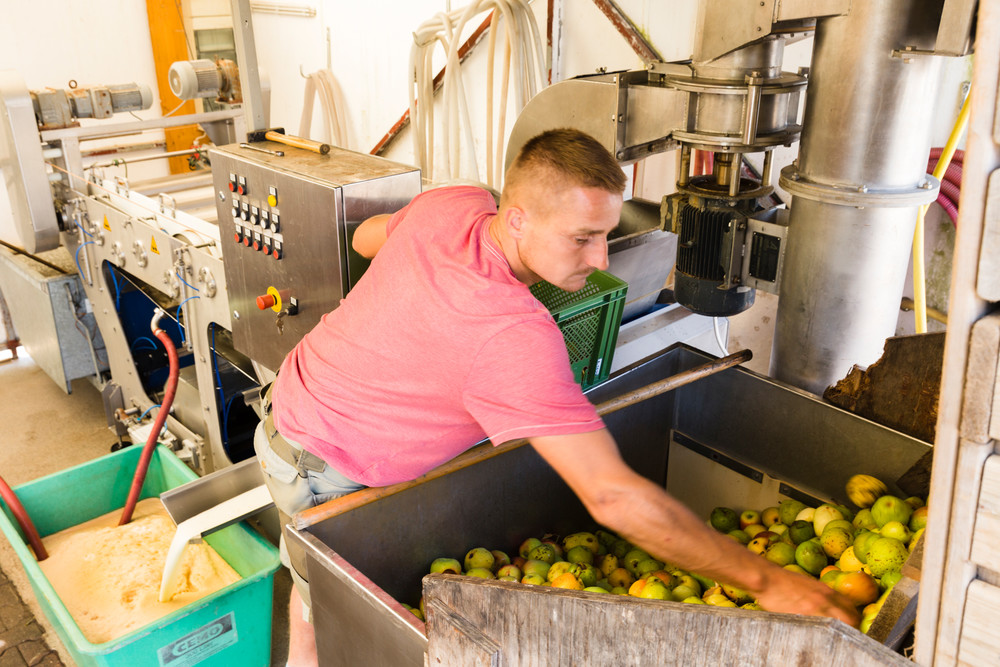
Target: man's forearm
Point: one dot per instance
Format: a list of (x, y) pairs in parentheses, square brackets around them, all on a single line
[(648, 517)]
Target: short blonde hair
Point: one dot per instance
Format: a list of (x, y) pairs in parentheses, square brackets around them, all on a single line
[(561, 158)]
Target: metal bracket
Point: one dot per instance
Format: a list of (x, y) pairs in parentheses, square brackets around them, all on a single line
[(764, 256), (173, 204), (206, 278), (139, 252)]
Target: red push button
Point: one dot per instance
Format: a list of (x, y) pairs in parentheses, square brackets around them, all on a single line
[(265, 301), (276, 253), (237, 237), (232, 186), (246, 241)]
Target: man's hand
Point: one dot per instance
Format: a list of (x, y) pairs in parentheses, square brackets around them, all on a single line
[(796, 593)]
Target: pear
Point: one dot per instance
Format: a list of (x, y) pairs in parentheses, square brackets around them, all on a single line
[(891, 508), (886, 554), (788, 510)]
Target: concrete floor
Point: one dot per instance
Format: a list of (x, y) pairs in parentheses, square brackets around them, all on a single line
[(44, 431)]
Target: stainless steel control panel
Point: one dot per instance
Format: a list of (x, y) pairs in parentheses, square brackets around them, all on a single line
[(286, 222)]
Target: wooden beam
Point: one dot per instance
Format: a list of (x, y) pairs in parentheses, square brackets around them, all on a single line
[(627, 29), (166, 32)]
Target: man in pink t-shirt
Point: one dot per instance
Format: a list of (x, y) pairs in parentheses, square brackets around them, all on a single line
[(441, 344)]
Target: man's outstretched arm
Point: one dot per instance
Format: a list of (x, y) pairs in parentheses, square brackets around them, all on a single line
[(646, 515)]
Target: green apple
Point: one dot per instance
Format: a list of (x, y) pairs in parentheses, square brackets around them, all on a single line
[(479, 558), (446, 566)]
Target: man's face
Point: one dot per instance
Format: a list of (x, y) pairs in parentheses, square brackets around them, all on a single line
[(564, 241)]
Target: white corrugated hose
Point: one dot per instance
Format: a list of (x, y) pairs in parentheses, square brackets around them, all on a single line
[(522, 56), (323, 84)]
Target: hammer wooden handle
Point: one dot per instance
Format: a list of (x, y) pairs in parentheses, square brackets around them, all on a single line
[(298, 142)]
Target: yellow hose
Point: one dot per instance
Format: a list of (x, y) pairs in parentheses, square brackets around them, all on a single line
[(919, 286)]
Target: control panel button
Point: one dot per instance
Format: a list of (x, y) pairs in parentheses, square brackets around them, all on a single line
[(232, 182), (276, 253), (275, 222), (241, 185), (254, 215), (246, 241), (236, 212), (265, 219), (245, 212), (265, 301), (272, 196)]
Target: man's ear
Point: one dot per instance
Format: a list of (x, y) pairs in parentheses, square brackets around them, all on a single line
[(514, 219)]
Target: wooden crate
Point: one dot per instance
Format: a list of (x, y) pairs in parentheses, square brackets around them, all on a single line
[(482, 622)]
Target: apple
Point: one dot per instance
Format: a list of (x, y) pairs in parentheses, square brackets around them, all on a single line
[(446, 566)]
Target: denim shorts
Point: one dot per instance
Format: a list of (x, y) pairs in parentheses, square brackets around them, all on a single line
[(293, 493)]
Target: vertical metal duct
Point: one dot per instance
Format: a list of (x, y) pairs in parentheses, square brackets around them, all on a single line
[(856, 185)]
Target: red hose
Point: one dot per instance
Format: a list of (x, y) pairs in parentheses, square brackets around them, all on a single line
[(161, 418), (958, 157), (951, 191), (949, 208), (23, 520)]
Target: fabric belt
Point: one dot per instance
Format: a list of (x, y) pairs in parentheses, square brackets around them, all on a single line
[(302, 460)]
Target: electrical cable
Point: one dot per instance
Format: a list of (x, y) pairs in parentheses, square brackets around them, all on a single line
[(718, 336), (76, 257), (118, 294), (143, 338), (180, 278), (148, 410), (77, 222), (222, 394), (181, 327)]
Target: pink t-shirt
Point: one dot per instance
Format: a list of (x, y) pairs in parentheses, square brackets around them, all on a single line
[(436, 347)]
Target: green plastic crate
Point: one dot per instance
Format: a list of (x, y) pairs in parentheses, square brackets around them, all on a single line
[(589, 320), (229, 627)]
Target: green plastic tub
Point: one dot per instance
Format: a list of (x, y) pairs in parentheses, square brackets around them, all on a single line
[(230, 627), (589, 320)]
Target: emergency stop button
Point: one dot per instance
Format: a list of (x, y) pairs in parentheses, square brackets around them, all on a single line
[(272, 299)]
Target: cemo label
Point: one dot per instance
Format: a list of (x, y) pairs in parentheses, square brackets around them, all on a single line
[(195, 646)]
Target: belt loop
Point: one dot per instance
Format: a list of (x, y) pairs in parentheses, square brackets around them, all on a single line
[(265, 398)]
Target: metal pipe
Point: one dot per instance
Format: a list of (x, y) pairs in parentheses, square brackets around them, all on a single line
[(867, 131), (684, 170), (765, 170), (147, 158), (736, 166)]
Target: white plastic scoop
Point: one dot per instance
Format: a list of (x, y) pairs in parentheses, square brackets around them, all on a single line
[(226, 513)]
